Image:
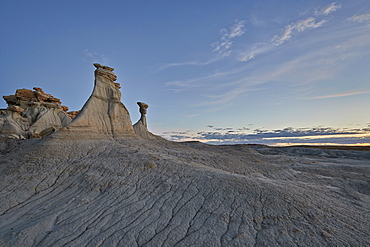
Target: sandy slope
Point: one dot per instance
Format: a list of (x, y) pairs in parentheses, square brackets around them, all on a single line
[(60, 191)]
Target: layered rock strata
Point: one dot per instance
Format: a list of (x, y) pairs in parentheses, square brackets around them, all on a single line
[(32, 114), (103, 113), (141, 127)]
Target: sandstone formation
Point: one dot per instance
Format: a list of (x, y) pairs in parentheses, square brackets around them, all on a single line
[(103, 114), (32, 114), (97, 183), (141, 127)]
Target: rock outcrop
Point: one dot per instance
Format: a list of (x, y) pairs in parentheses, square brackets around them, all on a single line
[(141, 127), (32, 114), (103, 114)]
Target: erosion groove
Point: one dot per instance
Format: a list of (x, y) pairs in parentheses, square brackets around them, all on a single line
[(110, 194)]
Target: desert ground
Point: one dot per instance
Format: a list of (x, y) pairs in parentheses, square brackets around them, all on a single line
[(61, 192)]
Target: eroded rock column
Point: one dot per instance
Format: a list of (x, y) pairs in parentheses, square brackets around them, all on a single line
[(104, 113), (141, 127)]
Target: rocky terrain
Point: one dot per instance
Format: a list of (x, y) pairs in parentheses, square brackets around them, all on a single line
[(33, 114), (101, 181)]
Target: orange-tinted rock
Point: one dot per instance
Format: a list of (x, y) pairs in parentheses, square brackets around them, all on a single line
[(54, 100), (40, 95), (44, 97), (65, 108), (10, 99), (25, 95), (72, 114), (15, 108)]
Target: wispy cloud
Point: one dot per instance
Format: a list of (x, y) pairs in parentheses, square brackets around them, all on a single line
[(257, 49), (339, 95), (328, 9), (201, 81), (299, 66), (318, 62), (223, 46), (193, 115), (92, 56), (306, 24), (299, 26), (188, 63), (360, 18), (288, 31)]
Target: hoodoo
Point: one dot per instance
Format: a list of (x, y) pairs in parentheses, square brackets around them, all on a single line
[(141, 127), (103, 113)]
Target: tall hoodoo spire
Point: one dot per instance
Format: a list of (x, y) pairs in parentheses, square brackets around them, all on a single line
[(104, 113)]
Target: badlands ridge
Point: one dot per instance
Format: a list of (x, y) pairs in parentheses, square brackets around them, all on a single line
[(99, 180)]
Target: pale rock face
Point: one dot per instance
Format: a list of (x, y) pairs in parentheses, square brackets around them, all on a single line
[(29, 113), (13, 123), (15, 108), (141, 127), (47, 118), (103, 113), (11, 127)]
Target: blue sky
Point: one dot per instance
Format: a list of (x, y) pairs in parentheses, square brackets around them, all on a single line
[(273, 72)]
